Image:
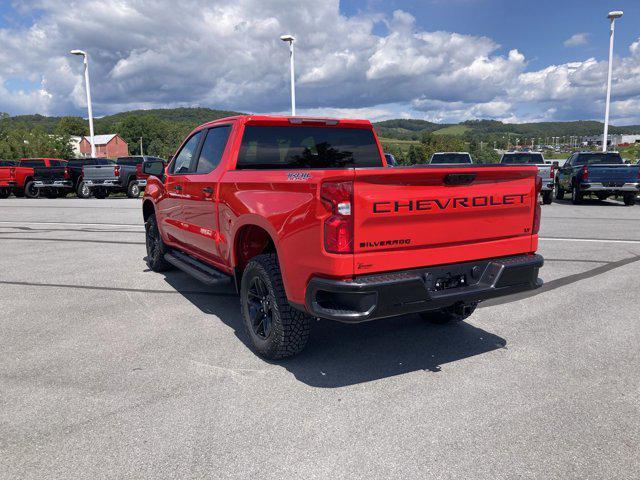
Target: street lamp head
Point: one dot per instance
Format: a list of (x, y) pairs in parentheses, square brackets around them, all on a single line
[(615, 14), (287, 38), (78, 52)]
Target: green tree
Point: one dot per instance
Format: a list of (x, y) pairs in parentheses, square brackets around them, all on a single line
[(72, 126)]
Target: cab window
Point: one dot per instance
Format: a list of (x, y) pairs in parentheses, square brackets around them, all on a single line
[(185, 158)]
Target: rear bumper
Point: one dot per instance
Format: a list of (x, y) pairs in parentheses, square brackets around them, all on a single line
[(111, 183), (142, 183), (410, 291), (8, 184), (601, 187), (53, 184), (546, 186)]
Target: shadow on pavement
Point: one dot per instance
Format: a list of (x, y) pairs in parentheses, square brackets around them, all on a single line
[(338, 355)]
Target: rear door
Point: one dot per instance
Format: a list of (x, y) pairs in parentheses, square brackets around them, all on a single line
[(410, 217), (170, 206)]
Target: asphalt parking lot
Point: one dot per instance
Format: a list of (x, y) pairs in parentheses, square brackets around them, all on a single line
[(108, 370)]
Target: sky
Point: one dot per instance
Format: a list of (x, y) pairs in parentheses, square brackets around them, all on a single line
[(439, 60)]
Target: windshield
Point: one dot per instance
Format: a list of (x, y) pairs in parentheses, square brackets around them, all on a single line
[(595, 158), (450, 158), (523, 158), (308, 147)]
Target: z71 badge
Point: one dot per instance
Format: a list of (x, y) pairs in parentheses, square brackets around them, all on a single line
[(298, 176)]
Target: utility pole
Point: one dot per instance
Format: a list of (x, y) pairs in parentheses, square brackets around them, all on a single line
[(612, 17), (141, 152)]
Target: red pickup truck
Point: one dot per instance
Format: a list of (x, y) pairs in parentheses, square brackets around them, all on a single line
[(19, 178), (303, 215)]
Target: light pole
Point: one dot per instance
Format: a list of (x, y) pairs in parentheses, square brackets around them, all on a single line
[(612, 17), (290, 39), (85, 61)]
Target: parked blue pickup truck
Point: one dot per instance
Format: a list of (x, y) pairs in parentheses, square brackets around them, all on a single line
[(603, 174)]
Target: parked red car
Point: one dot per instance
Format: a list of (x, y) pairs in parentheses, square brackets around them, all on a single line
[(303, 215)]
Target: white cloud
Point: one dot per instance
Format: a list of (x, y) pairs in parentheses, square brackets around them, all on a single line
[(214, 53), (576, 40)]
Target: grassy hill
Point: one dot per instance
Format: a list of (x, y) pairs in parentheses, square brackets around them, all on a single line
[(453, 130)]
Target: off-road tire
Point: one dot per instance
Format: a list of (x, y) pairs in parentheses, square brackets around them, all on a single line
[(452, 314), (133, 189), (5, 192), (30, 191), (547, 197), (559, 191), (288, 331), (629, 199), (82, 191), (155, 246)]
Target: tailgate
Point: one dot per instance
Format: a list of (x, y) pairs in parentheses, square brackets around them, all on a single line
[(99, 172), (613, 173), (48, 174), (5, 174), (415, 217)]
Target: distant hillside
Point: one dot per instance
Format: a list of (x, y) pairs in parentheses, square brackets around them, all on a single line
[(405, 129), (414, 129)]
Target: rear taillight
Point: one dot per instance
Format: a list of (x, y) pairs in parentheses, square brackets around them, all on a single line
[(338, 228), (66, 173), (12, 172), (552, 172), (116, 170), (537, 210), (585, 174)]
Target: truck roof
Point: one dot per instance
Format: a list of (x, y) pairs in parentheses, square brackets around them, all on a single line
[(283, 120)]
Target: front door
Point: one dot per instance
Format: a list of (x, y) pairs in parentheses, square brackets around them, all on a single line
[(170, 206), (200, 206)]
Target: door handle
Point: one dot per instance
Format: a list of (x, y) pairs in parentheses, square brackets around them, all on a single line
[(208, 190), (178, 187)]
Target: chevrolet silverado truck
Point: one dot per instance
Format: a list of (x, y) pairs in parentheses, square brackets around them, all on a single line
[(52, 181), (304, 217), (125, 175), (603, 174), (546, 171), (75, 170)]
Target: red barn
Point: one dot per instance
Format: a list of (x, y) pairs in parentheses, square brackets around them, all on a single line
[(110, 146)]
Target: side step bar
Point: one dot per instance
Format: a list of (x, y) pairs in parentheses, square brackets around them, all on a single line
[(197, 269)]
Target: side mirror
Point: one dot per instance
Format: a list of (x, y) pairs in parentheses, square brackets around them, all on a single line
[(154, 167)]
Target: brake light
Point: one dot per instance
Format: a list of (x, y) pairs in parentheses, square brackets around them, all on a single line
[(338, 228), (552, 172), (12, 172), (537, 210), (66, 173), (116, 170), (585, 173)]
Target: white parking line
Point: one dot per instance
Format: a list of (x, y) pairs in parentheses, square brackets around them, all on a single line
[(594, 240), (75, 224)]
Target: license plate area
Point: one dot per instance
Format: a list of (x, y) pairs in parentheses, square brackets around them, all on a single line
[(448, 282)]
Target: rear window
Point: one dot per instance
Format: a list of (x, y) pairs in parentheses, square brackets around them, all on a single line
[(307, 147), (129, 161), (594, 158), (450, 158), (32, 163), (523, 159)]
